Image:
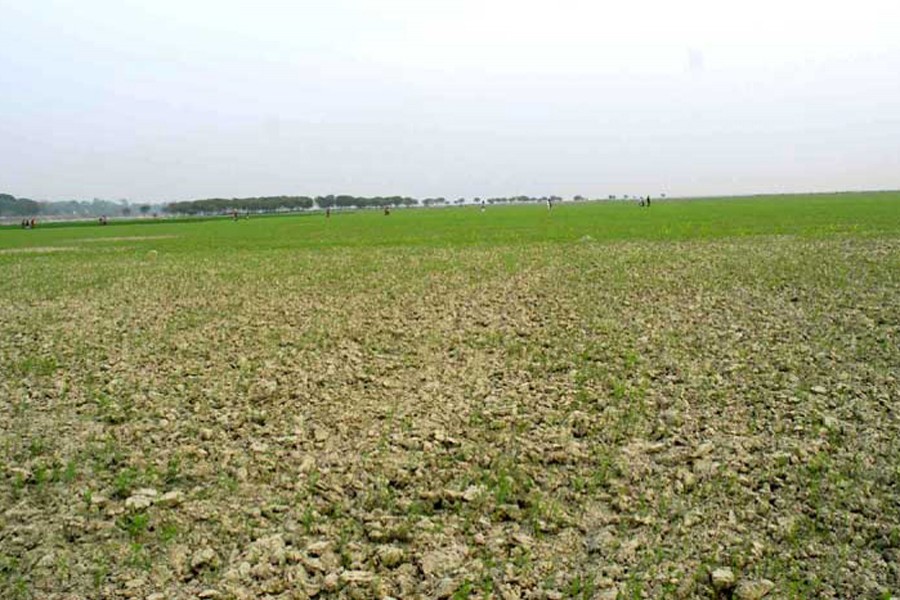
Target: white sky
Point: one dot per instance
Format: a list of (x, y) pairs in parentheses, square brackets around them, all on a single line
[(159, 100)]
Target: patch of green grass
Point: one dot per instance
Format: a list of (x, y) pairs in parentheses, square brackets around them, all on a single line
[(507, 482), (38, 366), (139, 556), (135, 524), (168, 532), (125, 481), (308, 519), (70, 473), (228, 482), (581, 586), (173, 471), (464, 591), (36, 447), (112, 411)]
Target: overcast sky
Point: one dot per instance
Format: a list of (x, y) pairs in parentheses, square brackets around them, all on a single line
[(159, 100)]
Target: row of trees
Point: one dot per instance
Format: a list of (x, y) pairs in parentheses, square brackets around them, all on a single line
[(10, 206), (222, 205), (295, 203), (284, 204), (345, 201), (513, 199)]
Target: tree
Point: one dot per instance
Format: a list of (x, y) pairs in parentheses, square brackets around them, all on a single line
[(144, 208), (18, 207)]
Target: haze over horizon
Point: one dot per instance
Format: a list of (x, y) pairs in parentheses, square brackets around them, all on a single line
[(175, 101)]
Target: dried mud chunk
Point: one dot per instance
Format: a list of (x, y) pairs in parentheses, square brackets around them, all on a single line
[(580, 424), (173, 498), (205, 557), (331, 582), (141, 499), (318, 548), (319, 434), (446, 588), (753, 590), (357, 577), (445, 560), (722, 579), (390, 556)]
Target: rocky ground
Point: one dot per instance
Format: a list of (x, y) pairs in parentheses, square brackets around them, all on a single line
[(585, 420)]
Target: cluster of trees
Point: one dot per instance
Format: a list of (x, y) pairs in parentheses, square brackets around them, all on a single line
[(284, 204), (223, 205), (512, 199), (295, 203), (345, 201), (10, 206)]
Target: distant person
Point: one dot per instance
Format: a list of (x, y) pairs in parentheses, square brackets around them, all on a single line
[(482, 206), (641, 202), (387, 210), (24, 223), (234, 215), (549, 204), (33, 222), (648, 201), (328, 212)]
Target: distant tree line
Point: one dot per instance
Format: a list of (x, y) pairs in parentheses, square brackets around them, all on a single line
[(10, 206), (223, 205), (514, 199), (284, 204), (345, 201), (267, 204)]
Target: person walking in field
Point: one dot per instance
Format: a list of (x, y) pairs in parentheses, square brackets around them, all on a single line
[(648, 201), (328, 212)]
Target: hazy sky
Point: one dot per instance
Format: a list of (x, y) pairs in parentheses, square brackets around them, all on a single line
[(162, 100)]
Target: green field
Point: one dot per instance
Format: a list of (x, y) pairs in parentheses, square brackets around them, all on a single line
[(600, 401)]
